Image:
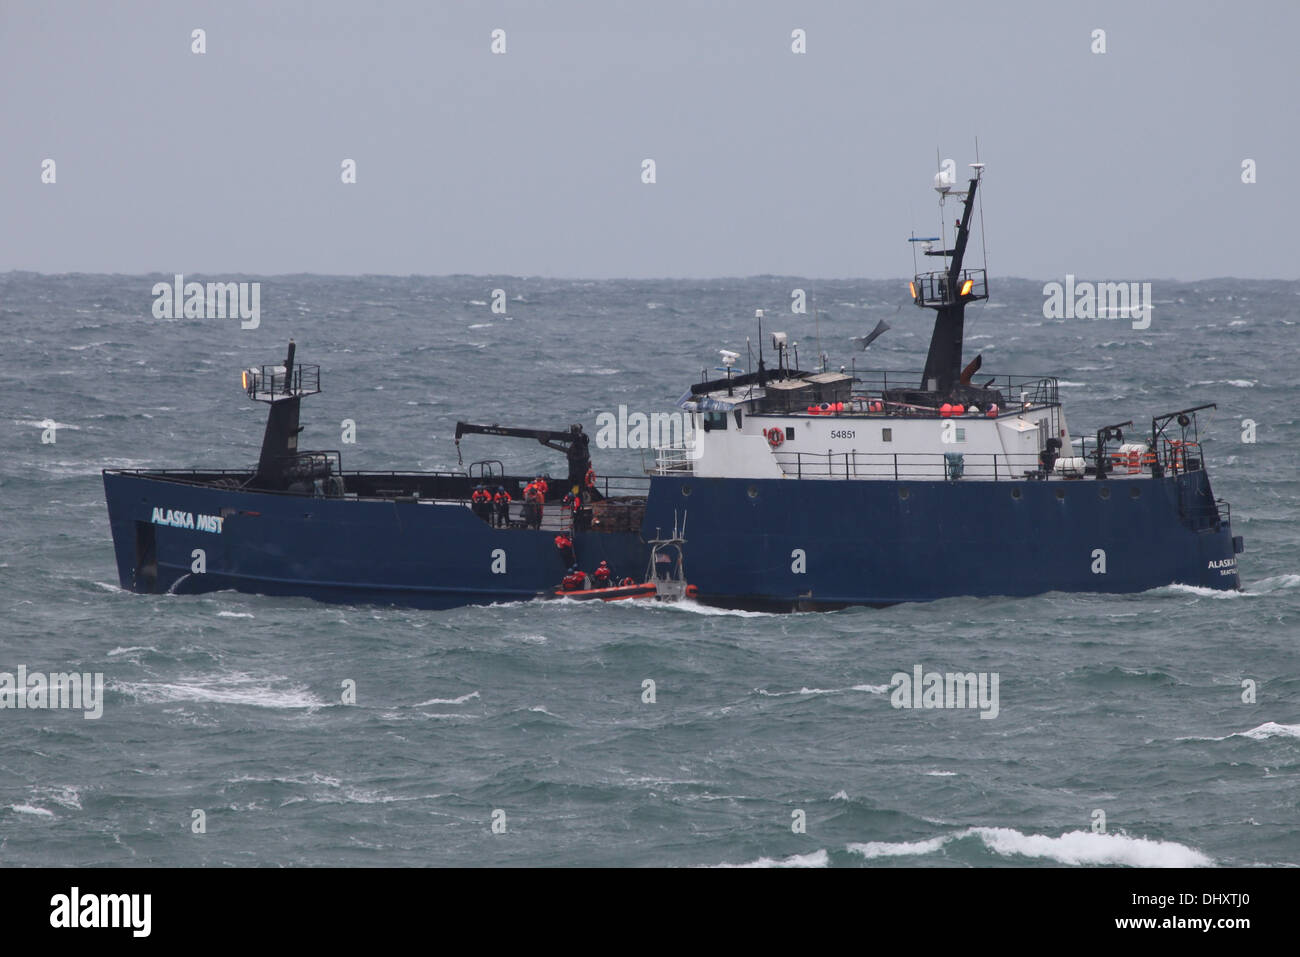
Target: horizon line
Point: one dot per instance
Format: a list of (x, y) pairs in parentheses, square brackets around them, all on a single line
[(559, 278)]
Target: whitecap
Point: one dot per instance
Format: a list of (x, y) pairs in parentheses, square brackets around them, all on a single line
[(236, 689), (874, 849), (1088, 847), (1270, 729), (461, 700), (815, 859)]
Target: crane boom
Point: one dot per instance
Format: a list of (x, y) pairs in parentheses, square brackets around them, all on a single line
[(573, 442)]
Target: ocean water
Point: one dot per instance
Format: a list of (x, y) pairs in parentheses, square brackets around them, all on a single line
[(531, 716)]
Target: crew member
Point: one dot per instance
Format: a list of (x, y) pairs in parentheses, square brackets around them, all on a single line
[(533, 505), (481, 502), (579, 454), (574, 581), (574, 501), (589, 485), (603, 575), (565, 546), (502, 502)]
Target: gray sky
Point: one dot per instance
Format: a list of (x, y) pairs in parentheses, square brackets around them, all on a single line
[(1125, 165)]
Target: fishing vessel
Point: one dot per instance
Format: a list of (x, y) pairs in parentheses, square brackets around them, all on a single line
[(808, 489)]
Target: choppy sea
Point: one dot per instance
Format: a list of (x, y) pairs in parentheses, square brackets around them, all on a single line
[(1154, 729)]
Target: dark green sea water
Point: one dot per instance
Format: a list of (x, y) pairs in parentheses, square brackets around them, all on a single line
[(231, 704)]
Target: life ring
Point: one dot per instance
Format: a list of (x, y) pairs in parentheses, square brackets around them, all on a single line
[(775, 436)]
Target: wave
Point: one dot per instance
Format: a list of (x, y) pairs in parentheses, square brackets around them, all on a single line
[(1087, 847), (236, 689), (1271, 729), (695, 608), (1072, 847), (815, 859), (1202, 591), (461, 700), (1265, 586), (874, 849), (686, 605), (871, 689)]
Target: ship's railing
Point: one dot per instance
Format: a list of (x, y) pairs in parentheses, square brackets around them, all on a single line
[(675, 459), (270, 382), (310, 464), (1177, 456), (621, 486), (932, 466), (932, 288), (1016, 389), (870, 388), (418, 475)]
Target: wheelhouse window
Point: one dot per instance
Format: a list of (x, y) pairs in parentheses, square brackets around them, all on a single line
[(715, 421)]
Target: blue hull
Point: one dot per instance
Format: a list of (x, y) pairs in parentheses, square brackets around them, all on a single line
[(779, 544), (406, 553), (882, 542)]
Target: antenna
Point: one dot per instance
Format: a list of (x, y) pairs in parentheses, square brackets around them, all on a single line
[(978, 167)]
